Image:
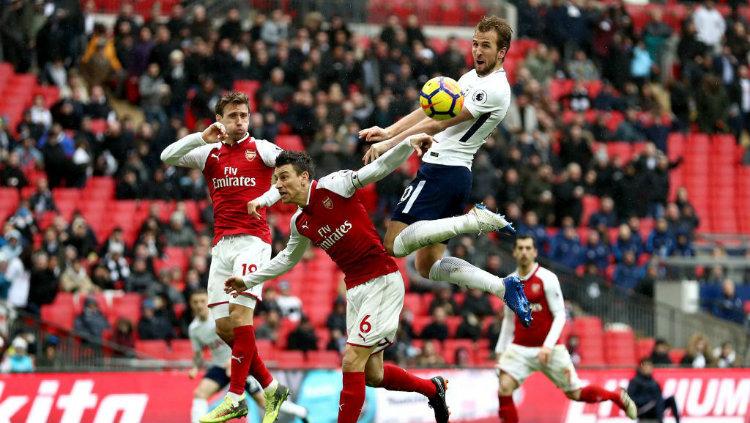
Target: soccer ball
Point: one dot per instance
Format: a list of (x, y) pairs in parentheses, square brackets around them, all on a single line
[(441, 98)]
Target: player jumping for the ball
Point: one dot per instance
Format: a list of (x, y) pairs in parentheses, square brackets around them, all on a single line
[(431, 209), (332, 218)]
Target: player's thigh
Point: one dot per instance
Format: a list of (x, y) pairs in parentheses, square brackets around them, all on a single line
[(373, 311), (249, 253), (507, 383), (437, 192), (518, 363), (355, 357), (219, 271), (560, 370), (214, 380)]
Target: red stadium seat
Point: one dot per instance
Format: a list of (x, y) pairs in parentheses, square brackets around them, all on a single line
[(156, 349), (290, 359), (325, 359), (290, 142), (619, 347), (644, 347)]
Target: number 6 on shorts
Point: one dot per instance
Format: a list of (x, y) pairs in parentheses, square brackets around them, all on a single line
[(364, 325)]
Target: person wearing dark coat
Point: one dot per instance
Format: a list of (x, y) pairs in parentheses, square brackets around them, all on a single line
[(647, 395)]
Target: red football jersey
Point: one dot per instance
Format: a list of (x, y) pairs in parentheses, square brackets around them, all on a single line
[(235, 174), (536, 291), (341, 226)]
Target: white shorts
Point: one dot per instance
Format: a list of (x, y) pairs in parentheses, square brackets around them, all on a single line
[(234, 256), (373, 310), (520, 362)]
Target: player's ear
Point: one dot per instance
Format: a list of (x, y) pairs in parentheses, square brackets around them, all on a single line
[(501, 54), (218, 117)]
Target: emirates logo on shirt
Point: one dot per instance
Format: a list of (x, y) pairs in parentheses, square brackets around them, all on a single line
[(250, 155), (328, 203)]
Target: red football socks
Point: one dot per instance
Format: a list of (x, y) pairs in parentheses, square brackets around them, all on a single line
[(352, 397), (398, 379), (243, 355), (594, 393), (507, 411)]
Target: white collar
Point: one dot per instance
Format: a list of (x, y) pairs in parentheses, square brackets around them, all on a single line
[(247, 136)]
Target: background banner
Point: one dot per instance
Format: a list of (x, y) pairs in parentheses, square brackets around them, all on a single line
[(711, 395)]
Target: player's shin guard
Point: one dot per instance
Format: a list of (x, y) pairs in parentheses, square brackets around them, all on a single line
[(594, 393), (427, 232), (507, 411), (352, 397), (243, 355), (398, 379), (199, 409), (462, 273)]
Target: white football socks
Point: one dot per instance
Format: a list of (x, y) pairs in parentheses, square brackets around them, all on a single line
[(427, 232), (236, 398), (462, 273), (199, 409)]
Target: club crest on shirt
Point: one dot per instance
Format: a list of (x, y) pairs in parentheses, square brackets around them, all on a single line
[(479, 96), (250, 155), (535, 288), (328, 203), (304, 225)]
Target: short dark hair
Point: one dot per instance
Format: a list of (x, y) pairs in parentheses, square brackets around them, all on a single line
[(500, 26), (197, 291), (300, 161), (233, 97), (525, 236)]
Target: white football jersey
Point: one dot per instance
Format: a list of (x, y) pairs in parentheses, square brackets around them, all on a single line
[(203, 334), (487, 98)]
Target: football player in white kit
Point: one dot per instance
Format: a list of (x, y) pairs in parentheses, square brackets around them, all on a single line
[(431, 210), (202, 332)]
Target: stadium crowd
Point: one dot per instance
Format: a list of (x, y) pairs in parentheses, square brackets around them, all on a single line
[(154, 80)]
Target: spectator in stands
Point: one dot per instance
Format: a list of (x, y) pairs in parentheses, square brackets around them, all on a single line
[(477, 302), (713, 104), (628, 273), (17, 358), (437, 329), (290, 305), (660, 354), (725, 355), (11, 173), (683, 246), (661, 241), (337, 318), (13, 242), (582, 68), (270, 327), (566, 247), (178, 233), (429, 356), (50, 359), (128, 188), (596, 252), (470, 327), (709, 23), (270, 301), (647, 283), (76, 279), (729, 305), (116, 264), (626, 242), (647, 394), (42, 201), (698, 354), (43, 282), (303, 337), (568, 194), (123, 335), (444, 299), (154, 323), (91, 323), (605, 217)]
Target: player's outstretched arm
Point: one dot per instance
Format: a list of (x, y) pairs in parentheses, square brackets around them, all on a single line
[(392, 159), (285, 260), (183, 152), (376, 133), (427, 126), (506, 332), (553, 294), (268, 199)]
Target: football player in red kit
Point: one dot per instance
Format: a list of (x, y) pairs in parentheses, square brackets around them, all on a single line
[(238, 169), (523, 350), (330, 217)]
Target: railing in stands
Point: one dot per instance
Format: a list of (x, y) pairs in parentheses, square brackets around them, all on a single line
[(647, 318), (75, 352)]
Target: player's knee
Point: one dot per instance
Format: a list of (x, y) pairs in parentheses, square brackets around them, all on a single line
[(423, 267), (352, 360), (374, 377), (200, 393), (225, 333), (507, 386)]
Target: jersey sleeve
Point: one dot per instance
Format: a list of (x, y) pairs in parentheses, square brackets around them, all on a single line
[(285, 260), (482, 100), (268, 152), (190, 151), (553, 294), (343, 182), (506, 331)]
